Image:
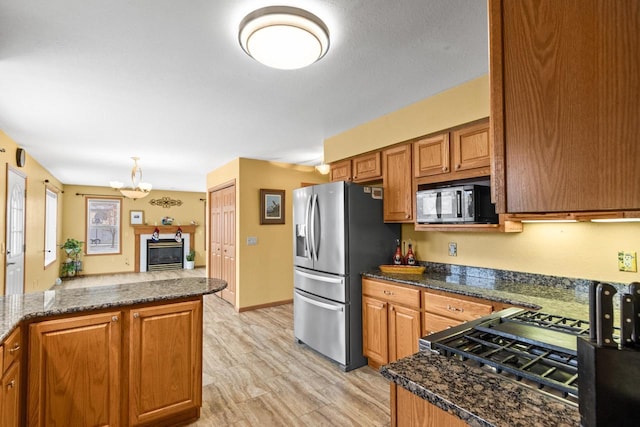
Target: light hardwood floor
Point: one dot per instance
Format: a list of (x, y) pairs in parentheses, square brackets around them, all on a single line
[(255, 374)]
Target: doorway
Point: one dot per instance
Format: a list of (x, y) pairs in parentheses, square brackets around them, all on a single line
[(16, 206)]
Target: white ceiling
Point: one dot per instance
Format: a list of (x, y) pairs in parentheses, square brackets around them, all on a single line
[(86, 84)]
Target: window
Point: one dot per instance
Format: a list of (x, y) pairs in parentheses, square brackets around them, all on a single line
[(50, 226), (103, 226)]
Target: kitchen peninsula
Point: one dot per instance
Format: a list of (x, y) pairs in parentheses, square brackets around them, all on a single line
[(128, 354), (458, 392)]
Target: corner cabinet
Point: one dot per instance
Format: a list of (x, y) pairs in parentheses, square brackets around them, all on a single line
[(165, 363), (74, 371), (397, 184), (564, 105)]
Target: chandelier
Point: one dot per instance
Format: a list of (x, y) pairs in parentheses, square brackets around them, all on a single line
[(138, 189), (284, 37)]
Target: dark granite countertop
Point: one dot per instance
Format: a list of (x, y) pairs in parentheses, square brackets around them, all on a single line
[(476, 395), (16, 308)]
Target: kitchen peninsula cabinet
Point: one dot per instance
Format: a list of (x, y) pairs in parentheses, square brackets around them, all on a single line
[(409, 410), (391, 321), (74, 370), (10, 366), (165, 363), (397, 184), (460, 154), (564, 105)]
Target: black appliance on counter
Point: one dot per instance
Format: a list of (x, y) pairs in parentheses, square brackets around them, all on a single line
[(563, 357)]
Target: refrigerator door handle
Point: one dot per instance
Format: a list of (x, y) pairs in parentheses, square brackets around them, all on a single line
[(320, 278), (307, 222), (314, 214), (320, 304)]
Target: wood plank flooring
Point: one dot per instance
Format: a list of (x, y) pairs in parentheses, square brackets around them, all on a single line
[(255, 374)]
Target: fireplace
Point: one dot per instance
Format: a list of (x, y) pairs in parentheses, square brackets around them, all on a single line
[(164, 254), (144, 233)]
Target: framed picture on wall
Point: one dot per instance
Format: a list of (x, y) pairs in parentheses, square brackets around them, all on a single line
[(136, 217), (271, 206)]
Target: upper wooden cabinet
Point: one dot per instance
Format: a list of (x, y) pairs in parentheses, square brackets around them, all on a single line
[(565, 102), (460, 154), (364, 168), (396, 178)]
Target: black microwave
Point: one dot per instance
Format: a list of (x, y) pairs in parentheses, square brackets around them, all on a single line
[(464, 204)]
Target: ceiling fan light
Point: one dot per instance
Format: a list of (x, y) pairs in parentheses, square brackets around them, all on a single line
[(324, 168), (284, 37)]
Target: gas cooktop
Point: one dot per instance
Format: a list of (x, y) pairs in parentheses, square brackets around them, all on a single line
[(537, 349)]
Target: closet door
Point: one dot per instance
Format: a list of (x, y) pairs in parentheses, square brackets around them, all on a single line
[(222, 239), (215, 238)]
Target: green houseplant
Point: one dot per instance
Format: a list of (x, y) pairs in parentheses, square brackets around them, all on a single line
[(190, 260), (72, 264)]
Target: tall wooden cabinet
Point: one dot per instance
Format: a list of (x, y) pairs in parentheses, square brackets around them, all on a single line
[(10, 396), (565, 100), (222, 238), (398, 190), (165, 368), (74, 371)]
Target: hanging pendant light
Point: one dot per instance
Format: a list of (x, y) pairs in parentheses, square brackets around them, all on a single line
[(284, 37), (138, 189)]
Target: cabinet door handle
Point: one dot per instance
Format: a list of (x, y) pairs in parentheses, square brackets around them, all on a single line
[(406, 216), (11, 384), (136, 315), (444, 169), (452, 308), (15, 348), (114, 318), (457, 167), (391, 308)]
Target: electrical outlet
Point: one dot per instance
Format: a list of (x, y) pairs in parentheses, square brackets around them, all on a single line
[(453, 249), (627, 261), (252, 241)]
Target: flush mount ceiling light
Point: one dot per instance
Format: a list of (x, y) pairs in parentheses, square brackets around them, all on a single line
[(284, 37), (138, 189)]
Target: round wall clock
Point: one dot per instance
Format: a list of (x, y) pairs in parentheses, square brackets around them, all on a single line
[(21, 157)]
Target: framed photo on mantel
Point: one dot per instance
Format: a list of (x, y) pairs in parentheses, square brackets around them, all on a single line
[(271, 206)]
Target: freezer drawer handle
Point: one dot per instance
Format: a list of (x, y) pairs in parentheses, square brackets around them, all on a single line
[(320, 304), (319, 278)]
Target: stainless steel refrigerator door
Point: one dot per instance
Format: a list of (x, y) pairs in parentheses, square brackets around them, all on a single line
[(321, 284), (328, 238), (302, 255), (321, 324)]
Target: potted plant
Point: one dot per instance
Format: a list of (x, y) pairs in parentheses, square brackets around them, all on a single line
[(191, 258), (72, 264)]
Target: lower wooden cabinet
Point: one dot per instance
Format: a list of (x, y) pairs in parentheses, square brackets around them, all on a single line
[(409, 410), (135, 367), (165, 363), (74, 371), (10, 381), (443, 310), (391, 321)]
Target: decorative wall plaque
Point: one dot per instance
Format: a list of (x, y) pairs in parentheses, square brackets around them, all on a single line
[(165, 202)]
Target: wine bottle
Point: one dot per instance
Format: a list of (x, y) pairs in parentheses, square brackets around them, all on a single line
[(411, 258)]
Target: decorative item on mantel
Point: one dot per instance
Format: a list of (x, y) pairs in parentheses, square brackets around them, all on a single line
[(167, 220), (156, 235), (165, 202), (179, 235)]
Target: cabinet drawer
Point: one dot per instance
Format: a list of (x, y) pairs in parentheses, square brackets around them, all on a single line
[(397, 294), (12, 348), (455, 308), (432, 323)]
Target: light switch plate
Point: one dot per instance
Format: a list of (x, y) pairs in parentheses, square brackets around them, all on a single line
[(627, 261), (252, 241)]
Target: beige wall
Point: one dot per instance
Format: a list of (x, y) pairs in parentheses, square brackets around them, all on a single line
[(582, 250), (461, 104), (74, 225), (37, 277), (264, 272)]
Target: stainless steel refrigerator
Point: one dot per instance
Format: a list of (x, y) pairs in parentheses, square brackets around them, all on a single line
[(338, 234)]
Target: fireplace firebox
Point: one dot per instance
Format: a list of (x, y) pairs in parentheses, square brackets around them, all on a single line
[(164, 254)]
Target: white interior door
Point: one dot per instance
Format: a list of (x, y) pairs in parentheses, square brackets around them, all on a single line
[(16, 201)]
